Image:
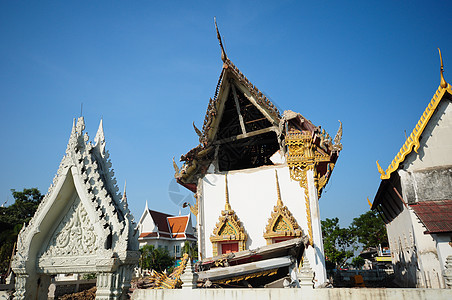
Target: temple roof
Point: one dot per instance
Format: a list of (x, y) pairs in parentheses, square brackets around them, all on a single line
[(412, 142)]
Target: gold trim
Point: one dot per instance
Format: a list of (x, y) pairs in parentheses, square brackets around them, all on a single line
[(412, 142), (281, 223), (246, 277), (229, 227)]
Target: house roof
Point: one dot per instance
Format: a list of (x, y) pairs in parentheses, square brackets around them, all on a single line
[(178, 226), (435, 215), (412, 142), (168, 226), (160, 219)]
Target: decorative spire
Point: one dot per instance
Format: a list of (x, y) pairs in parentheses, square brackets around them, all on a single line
[(280, 203), (223, 53), (146, 207), (443, 81), (337, 139), (227, 206), (100, 137), (124, 196)]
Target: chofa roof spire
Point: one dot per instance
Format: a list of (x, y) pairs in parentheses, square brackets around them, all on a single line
[(223, 53), (443, 81)]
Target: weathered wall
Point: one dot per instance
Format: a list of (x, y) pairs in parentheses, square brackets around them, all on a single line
[(252, 195), (317, 294), (403, 249), (427, 175)]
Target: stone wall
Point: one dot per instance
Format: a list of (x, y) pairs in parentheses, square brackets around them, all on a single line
[(317, 294)]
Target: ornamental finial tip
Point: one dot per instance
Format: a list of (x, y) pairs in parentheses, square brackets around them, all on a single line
[(443, 83), (223, 53)]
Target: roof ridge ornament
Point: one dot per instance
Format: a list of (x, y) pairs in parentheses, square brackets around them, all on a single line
[(223, 52), (227, 206), (443, 83), (279, 201)]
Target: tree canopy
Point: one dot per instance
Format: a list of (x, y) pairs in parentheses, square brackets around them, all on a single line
[(155, 258), (338, 243), (12, 219), (369, 229)]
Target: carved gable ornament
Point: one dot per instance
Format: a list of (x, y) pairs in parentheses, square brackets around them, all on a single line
[(229, 228), (82, 225), (281, 223)]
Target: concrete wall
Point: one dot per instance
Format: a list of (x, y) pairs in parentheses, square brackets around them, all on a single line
[(317, 294)]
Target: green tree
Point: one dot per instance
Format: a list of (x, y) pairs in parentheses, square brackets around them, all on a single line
[(338, 243), (155, 258), (12, 219), (369, 229), (191, 249), (358, 262)]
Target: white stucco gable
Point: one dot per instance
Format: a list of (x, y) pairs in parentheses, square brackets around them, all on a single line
[(82, 225)]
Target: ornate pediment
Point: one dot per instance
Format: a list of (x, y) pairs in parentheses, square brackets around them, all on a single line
[(281, 223), (229, 227), (74, 236)]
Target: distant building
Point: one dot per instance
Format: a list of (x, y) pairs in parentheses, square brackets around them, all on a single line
[(415, 198), (165, 231)]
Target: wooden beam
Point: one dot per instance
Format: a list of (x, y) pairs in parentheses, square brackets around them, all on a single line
[(237, 106), (249, 134)]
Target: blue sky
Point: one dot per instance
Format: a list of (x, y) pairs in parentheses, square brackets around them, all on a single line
[(148, 69)]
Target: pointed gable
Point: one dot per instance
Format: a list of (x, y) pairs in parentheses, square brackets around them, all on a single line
[(82, 219)]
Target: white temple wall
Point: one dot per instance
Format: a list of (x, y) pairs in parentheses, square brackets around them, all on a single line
[(430, 268), (403, 250), (252, 195), (436, 142), (443, 247)]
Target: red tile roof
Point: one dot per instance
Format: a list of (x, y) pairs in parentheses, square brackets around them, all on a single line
[(435, 215), (148, 234), (178, 224)]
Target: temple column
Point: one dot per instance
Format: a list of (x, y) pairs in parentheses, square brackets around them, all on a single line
[(317, 239)]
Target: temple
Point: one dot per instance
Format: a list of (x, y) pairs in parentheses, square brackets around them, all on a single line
[(257, 174), (415, 198)]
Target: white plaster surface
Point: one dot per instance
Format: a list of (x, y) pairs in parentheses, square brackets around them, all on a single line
[(253, 194), (436, 142)]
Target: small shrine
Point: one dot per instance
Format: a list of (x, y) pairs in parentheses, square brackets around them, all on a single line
[(83, 225)]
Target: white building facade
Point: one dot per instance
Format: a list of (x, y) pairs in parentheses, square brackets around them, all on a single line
[(415, 199)]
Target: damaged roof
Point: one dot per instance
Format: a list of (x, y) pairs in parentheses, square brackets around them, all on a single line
[(435, 215)]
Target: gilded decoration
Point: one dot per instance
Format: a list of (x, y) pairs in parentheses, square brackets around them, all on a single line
[(229, 227), (412, 142), (306, 150), (281, 223)]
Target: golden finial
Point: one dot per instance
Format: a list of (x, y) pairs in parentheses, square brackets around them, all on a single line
[(227, 206), (277, 189), (380, 169), (370, 203), (443, 82), (223, 53)]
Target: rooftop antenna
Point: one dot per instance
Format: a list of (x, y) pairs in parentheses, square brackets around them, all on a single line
[(443, 81), (223, 53)]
